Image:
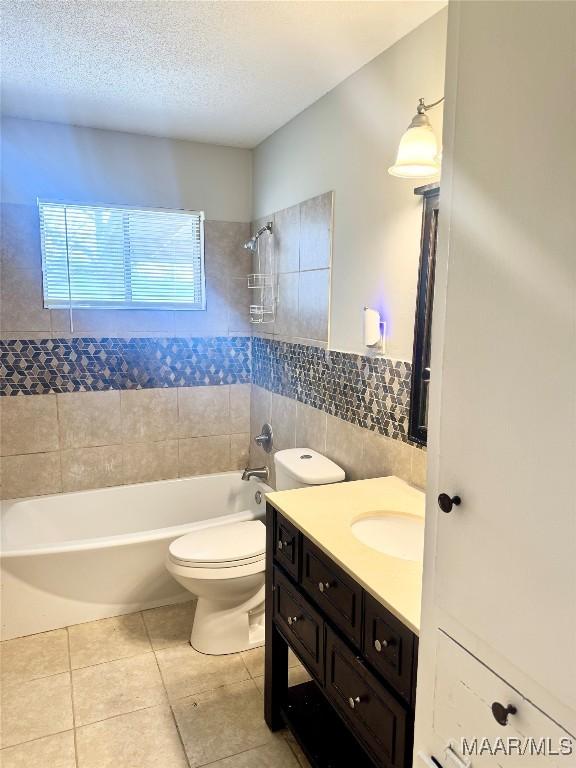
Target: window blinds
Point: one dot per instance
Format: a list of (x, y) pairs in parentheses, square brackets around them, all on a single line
[(115, 257)]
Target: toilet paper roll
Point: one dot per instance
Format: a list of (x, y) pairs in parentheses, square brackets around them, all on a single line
[(372, 332)]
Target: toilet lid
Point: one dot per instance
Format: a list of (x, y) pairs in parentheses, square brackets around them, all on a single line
[(236, 542)]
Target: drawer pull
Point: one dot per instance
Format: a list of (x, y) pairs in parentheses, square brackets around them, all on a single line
[(353, 702), (501, 712), (323, 586), (292, 620), (446, 502), (379, 644)]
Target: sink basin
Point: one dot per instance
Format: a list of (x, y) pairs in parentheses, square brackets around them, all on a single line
[(397, 535)]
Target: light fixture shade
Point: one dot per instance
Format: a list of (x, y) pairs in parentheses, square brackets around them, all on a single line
[(418, 152)]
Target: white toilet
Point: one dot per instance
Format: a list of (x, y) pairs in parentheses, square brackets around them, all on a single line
[(224, 565)]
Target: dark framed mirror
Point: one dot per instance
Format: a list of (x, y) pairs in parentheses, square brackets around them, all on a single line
[(419, 391)]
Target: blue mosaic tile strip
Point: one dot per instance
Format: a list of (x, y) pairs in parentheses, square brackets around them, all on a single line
[(372, 392), (36, 367)]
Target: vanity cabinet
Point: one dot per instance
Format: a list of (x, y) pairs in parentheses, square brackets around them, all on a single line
[(359, 709)]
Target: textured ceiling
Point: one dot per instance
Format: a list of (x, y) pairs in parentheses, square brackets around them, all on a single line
[(220, 72)]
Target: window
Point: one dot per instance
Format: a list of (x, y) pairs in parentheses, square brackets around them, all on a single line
[(122, 258)]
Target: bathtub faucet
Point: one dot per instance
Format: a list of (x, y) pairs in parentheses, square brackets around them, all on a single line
[(262, 473)]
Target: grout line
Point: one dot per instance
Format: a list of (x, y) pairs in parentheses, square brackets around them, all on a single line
[(166, 691), (72, 699), (228, 757), (113, 661), (31, 741)]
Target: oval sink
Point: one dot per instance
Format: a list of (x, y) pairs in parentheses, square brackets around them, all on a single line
[(400, 536)]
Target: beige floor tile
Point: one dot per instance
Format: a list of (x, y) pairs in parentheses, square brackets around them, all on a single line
[(28, 658), (187, 672), (222, 723), (277, 754), (116, 688), (293, 660), (254, 660), (144, 739), (36, 708), (169, 625), (296, 749), (296, 675), (49, 752), (108, 639)]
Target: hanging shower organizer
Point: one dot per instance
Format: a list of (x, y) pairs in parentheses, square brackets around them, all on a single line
[(262, 281)]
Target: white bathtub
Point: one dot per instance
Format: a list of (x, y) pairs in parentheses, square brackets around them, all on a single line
[(75, 557)]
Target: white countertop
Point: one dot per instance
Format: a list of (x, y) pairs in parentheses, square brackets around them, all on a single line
[(325, 515)]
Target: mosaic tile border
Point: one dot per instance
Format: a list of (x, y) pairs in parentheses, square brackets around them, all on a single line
[(36, 367), (372, 392)]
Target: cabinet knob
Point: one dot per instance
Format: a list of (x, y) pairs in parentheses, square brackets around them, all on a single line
[(323, 586), (292, 620), (379, 644), (501, 712), (353, 702), (280, 545), (446, 502)]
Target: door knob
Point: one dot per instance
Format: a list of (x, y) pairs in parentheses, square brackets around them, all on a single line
[(501, 712), (446, 502)]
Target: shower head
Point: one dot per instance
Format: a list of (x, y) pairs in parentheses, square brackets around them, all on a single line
[(250, 245)]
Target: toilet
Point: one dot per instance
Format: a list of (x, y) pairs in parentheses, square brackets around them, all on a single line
[(224, 565)]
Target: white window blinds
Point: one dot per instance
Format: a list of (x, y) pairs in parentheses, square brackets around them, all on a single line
[(123, 258)]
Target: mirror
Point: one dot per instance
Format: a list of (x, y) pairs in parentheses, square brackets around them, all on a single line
[(419, 391)]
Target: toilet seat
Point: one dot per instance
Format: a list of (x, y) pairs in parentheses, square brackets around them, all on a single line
[(223, 546)]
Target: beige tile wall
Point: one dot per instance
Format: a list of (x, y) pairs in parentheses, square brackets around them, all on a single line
[(74, 441), (303, 242), (303, 257), (22, 313), (361, 453)]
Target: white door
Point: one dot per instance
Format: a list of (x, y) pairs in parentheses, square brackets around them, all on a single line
[(506, 557)]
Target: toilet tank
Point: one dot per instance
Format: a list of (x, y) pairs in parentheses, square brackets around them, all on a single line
[(302, 467)]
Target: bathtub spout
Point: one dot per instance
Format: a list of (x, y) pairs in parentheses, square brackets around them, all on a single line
[(262, 473)]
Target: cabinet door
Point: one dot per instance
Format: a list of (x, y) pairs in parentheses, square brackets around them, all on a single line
[(506, 557)]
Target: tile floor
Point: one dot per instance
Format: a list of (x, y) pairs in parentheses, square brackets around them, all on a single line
[(130, 692)]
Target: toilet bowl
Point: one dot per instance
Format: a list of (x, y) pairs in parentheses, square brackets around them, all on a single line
[(224, 567)]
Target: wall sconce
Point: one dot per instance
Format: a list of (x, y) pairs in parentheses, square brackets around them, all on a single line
[(418, 151)]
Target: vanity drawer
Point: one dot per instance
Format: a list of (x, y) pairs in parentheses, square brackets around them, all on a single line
[(378, 719), (300, 624), (389, 646), (339, 596), (286, 544)]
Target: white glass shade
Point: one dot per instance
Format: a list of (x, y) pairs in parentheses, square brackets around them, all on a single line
[(417, 154)]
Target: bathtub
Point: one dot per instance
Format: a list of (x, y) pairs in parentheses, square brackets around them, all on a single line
[(76, 557)]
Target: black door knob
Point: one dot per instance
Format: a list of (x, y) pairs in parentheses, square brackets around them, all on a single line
[(446, 502), (501, 712)]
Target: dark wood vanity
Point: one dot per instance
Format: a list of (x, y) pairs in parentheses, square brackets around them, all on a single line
[(358, 710)]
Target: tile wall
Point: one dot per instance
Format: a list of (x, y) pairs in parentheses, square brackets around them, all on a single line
[(78, 440), (22, 315), (353, 408), (106, 397), (302, 263)]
